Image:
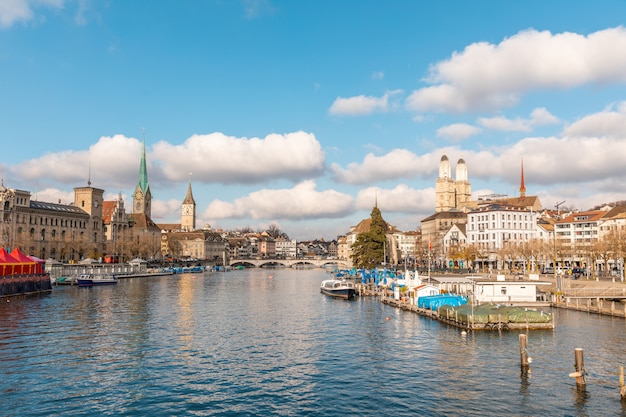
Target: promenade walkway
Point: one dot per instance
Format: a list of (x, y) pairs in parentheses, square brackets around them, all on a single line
[(601, 297)]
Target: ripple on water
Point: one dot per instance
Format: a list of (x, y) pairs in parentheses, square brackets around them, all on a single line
[(240, 343)]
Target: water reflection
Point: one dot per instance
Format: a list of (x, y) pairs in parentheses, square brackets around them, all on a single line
[(245, 343)]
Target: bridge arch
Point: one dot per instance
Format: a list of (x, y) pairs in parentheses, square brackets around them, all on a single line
[(289, 263)]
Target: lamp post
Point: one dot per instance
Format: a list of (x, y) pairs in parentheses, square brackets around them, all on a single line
[(558, 277)]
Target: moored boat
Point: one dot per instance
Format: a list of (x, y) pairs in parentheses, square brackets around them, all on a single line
[(90, 280), (338, 288)]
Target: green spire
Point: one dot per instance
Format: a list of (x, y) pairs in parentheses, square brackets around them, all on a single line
[(143, 171)]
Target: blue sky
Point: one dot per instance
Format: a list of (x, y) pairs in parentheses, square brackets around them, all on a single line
[(304, 114)]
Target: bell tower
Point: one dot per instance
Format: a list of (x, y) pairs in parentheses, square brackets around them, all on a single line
[(188, 217)]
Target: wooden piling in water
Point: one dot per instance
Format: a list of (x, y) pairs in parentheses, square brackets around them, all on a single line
[(523, 350), (579, 365)]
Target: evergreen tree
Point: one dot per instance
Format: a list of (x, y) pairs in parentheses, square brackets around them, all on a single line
[(368, 250)]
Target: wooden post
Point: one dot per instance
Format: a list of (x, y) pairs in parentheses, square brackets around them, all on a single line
[(579, 365), (523, 349), (622, 387)]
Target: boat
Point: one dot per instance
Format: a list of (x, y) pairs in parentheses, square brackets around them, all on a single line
[(338, 288), (90, 280)]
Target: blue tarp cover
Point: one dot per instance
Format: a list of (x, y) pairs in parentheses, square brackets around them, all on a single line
[(433, 302)]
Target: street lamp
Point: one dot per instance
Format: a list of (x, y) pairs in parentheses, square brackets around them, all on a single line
[(558, 278)]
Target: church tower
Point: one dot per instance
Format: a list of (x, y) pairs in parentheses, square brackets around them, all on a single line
[(142, 198), (188, 218), (444, 187), (462, 185), (452, 193)]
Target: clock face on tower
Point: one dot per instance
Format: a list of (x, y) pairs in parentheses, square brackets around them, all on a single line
[(187, 210)]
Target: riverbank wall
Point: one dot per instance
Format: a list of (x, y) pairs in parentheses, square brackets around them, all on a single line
[(24, 284)]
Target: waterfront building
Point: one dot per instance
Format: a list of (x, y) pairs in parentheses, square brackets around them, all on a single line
[(407, 245), (285, 248), (266, 247), (116, 221), (239, 247), (199, 244), (454, 243), (332, 249), (434, 228), (592, 237), (66, 232), (343, 250), (497, 225)]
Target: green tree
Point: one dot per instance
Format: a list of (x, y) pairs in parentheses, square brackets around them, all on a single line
[(368, 250)]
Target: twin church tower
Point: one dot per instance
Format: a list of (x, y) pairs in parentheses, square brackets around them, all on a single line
[(142, 198), (452, 193)]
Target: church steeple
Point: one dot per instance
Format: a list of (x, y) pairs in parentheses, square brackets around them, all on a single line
[(188, 218), (142, 197), (522, 187), (143, 170), (189, 196)]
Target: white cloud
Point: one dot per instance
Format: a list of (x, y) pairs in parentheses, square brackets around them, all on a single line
[(378, 75), (219, 158), (488, 76), (300, 202), (402, 198), (608, 123), (504, 124), (396, 164), (539, 116), (13, 11), (53, 195), (458, 131), (110, 162), (361, 105), (551, 161)]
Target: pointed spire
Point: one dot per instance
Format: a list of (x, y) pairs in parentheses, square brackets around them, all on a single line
[(189, 197), (522, 187), (143, 170)]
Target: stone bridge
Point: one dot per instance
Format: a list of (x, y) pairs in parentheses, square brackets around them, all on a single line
[(291, 263)]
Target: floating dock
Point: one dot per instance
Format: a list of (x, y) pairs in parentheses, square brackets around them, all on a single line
[(482, 317)]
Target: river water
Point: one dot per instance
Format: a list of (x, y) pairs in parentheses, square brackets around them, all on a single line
[(266, 342)]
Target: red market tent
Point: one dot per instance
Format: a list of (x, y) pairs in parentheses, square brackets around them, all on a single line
[(40, 264), (28, 265), (8, 264)]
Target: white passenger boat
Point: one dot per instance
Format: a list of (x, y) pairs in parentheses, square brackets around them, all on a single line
[(90, 280), (338, 288)]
